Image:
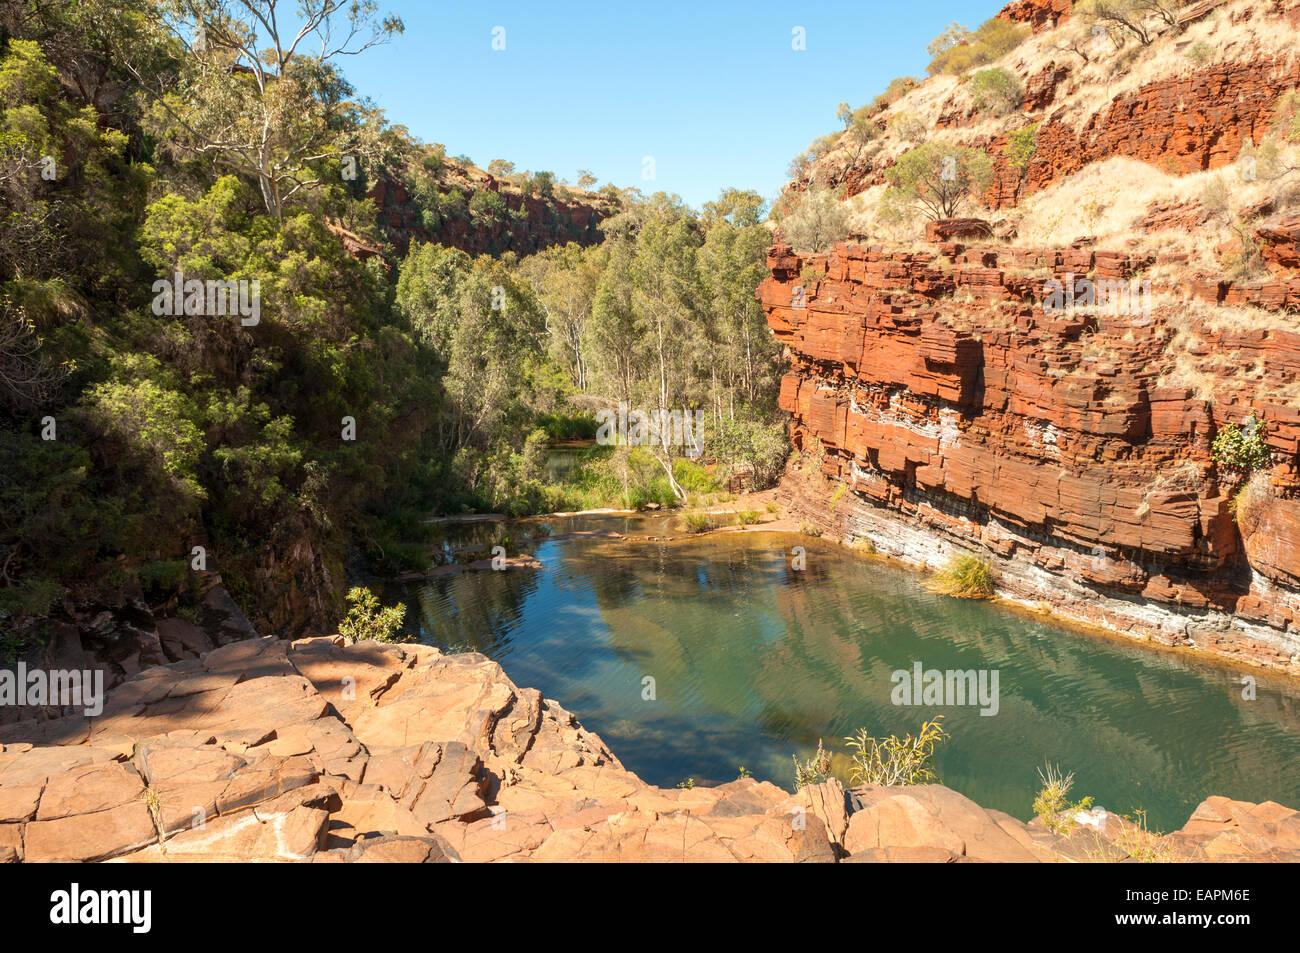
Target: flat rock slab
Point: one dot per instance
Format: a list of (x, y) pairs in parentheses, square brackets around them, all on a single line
[(325, 752)]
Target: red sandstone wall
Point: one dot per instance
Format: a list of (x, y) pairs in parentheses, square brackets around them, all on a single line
[(935, 381)]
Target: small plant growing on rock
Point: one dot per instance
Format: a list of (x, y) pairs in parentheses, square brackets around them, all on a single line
[(809, 528), (1021, 147), (367, 619), (815, 770), (1241, 448), (1247, 504), (1200, 52), (687, 784), (966, 577), (894, 760), (1136, 841), (1053, 803)]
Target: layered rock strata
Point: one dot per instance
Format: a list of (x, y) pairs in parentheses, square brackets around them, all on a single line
[(963, 414)]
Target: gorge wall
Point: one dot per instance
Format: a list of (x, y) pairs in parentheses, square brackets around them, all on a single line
[(961, 416)]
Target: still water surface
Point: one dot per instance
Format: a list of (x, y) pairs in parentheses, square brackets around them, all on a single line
[(754, 662)]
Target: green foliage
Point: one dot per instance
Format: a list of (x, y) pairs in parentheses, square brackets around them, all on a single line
[(747, 517), (812, 770), (1052, 803), (938, 179), (1021, 146), (817, 220), (995, 91), (1199, 53), (894, 760), (368, 620), (957, 49), (908, 127), (809, 528), (487, 207), (698, 522), (1241, 448), (966, 576)]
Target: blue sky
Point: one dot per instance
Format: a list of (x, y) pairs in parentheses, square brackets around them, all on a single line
[(713, 91)]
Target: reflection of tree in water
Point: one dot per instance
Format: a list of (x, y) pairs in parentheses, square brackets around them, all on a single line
[(755, 661), (475, 611)]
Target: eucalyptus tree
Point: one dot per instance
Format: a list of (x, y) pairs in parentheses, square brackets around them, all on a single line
[(256, 88)]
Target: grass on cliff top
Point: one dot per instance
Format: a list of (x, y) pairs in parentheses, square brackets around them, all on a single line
[(966, 577)]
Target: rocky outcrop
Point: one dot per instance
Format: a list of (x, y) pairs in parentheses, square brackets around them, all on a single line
[(963, 413), (1039, 14), (1182, 124), (532, 223), (315, 751)]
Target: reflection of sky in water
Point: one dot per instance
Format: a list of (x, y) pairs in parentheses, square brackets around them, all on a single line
[(754, 662)]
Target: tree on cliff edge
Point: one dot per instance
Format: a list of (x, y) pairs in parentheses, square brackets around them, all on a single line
[(938, 179)]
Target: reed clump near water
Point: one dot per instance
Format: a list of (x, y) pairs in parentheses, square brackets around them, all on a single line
[(965, 577)]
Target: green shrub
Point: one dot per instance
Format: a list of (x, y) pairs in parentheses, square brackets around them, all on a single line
[(967, 577), (957, 49), (995, 91), (1200, 52), (1053, 805), (1241, 448), (697, 522), (487, 206), (894, 760), (898, 87), (817, 220), (1021, 146), (809, 528), (163, 576), (814, 770), (908, 127), (747, 517), (367, 619)]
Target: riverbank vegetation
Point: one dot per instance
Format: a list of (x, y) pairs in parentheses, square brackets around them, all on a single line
[(966, 576), (344, 387)]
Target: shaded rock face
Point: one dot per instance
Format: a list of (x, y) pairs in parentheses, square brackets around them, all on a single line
[(1039, 14), (963, 414), (546, 222), (115, 636), (313, 751)]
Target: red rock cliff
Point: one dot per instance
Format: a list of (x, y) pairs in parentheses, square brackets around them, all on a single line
[(962, 415)]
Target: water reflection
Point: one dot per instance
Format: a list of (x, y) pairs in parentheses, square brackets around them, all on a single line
[(753, 661)]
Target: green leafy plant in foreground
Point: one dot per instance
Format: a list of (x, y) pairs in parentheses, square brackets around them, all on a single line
[(894, 760), (814, 770), (1241, 448), (367, 619), (1053, 804)]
